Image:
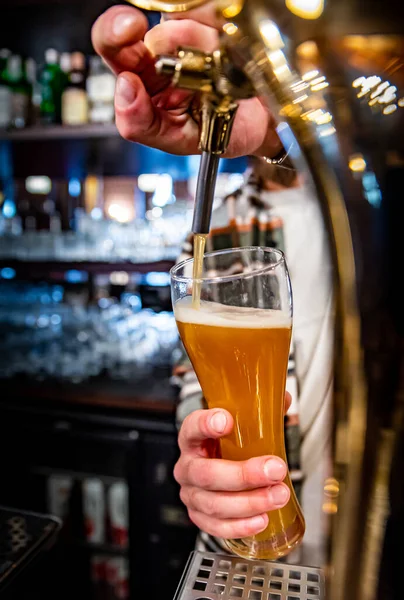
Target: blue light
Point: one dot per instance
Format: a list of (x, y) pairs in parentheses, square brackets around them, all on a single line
[(371, 189), (96, 214), (374, 197), (57, 294), (9, 209), (43, 321), (134, 301), (7, 273), (369, 180), (74, 188), (157, 279), (104, 302), (193, 165), (56, 320), (74, 276), (163, 194)]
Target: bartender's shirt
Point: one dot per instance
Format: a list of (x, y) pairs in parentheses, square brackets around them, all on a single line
[(291, 220)]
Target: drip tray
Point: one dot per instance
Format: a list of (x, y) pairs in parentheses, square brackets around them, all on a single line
[(23, 536), (210, 576)]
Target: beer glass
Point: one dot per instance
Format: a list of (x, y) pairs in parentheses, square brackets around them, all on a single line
[(238, 340)]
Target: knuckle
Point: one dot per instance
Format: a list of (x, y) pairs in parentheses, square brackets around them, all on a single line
[(211, 505), (202, 419), (202, 473), (184, 496), (193, 498), (193, 517), (253, 505), (153, 34), (245, 475), (178, 471), (189, 428), (161, 38)]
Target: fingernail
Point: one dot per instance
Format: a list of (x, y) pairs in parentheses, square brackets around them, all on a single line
[(275, 470), (125, 93), (279, 495), (122, 23), (218, 422), (258, 523)]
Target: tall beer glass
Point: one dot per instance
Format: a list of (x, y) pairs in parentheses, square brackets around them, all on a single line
[(238, 341)]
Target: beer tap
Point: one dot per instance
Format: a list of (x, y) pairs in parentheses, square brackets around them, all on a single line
[(218, 85)]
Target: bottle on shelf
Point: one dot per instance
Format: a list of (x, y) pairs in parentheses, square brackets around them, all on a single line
[(65, 65), (5, 91), (21, 91), (74, 98), (5, 53), (31, 74), (100, 91), (51, 88)]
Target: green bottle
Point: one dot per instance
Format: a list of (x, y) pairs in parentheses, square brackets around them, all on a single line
[(5, 91), (4, 56), (51, 81), (21, 92)]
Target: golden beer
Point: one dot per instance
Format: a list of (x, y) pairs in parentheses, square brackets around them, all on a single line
[(240, 356)]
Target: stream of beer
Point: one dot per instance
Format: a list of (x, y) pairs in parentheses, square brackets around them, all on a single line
[(199, 251)]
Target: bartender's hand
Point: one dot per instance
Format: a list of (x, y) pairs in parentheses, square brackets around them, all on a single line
[(227, 499), (148, 109)]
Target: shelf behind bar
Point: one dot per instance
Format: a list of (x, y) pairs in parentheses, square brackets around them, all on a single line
[(60, 132), (40, 268), (160, 398)]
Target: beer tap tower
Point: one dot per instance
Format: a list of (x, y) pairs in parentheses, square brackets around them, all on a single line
[(319, 111)]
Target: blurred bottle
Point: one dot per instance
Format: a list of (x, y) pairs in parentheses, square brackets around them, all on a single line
[(30, 237), (59, 493), (122, 590), (5, 53), (100, 91), (118, 513), (5, 91), (20, 90), (94, 510), (98, 564), (31, 73), (74, 98), (65, 65), (51, 81), (117, 576)]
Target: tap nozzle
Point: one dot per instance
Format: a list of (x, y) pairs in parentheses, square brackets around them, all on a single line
[(205, 73)]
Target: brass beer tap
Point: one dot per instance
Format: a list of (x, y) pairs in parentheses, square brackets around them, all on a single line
[(219, 86)]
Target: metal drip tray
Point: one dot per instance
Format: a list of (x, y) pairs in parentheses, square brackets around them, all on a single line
[(210, 576), (23, 535)]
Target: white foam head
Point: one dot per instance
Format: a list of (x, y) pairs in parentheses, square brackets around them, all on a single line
[(220, 315)]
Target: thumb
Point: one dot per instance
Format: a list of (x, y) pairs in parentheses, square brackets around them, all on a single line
[(135, 114), (203, 425)]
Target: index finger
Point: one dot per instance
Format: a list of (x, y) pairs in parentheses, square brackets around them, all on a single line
[(118, 35), (217, 474)]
